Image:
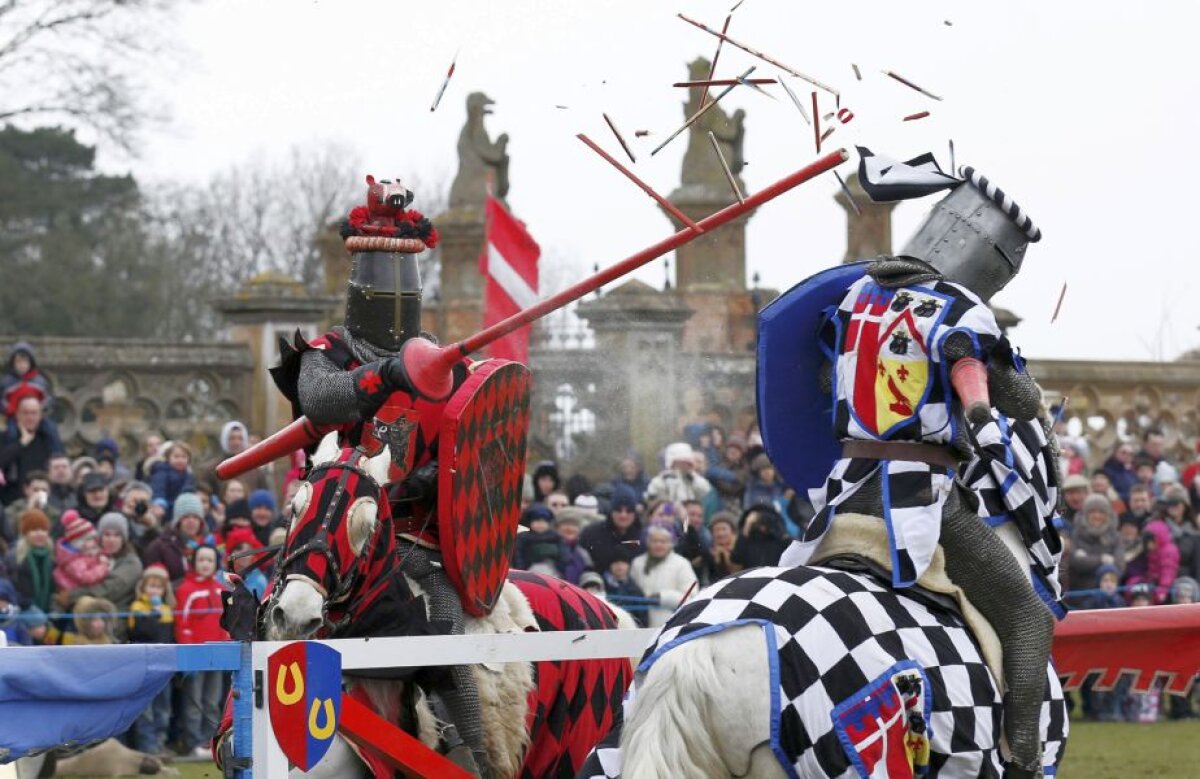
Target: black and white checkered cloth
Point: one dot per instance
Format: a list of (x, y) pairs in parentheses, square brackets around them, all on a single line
[(830, 634), (1014, 476), (892, 383)]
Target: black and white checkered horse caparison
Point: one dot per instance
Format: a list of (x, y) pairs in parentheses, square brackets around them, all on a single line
[(1014, 211), (828, 634)]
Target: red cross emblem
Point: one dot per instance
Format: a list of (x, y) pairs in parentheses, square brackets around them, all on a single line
[(370, 382)]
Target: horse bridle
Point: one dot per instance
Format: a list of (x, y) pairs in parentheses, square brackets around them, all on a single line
[(320, 544)]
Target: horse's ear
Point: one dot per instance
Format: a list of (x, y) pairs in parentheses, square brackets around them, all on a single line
[(370, 180), (361, 523), (300, 503)]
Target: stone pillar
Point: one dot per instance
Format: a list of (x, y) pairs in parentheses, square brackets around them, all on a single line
[(271, 305), (869, 235), (710, 275), (640, 331), (459, 311), (335, 261)]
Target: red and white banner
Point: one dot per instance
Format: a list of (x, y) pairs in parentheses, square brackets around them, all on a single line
[(509, 263)]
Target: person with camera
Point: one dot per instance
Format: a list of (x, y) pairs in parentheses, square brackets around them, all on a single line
[(36, 495), (144, 523), (762, 537)]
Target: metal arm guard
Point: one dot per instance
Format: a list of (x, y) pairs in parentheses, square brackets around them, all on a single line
[(978, 562)]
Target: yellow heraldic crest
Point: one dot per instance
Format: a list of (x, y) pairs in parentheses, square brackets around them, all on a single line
[(902, 372)]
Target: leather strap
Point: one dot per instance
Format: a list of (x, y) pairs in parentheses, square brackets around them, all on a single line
[(932, 454)]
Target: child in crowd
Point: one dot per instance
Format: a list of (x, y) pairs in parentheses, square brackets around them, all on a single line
[(93, 622), (172, 477), (593, 583), (238, 541), (540, 550), (619, 584), (152, 621), (38, 625), (200, 621), (1108, 577), (1162, 560), (77, 558), (568, 524)]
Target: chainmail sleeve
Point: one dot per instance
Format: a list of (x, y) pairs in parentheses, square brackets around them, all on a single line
[(326, 391)]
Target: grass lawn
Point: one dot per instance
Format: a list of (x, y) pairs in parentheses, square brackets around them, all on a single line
[(1096, 750), (1108, 750), (198, 771)]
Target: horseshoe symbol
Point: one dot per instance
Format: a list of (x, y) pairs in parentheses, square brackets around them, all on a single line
[(321, 732), (285, 696)]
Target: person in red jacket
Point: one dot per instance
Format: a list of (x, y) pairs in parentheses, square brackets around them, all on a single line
[(199, 599)]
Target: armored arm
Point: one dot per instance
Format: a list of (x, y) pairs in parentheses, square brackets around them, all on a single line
[(326, 391), (330, 395), (1015, 393)]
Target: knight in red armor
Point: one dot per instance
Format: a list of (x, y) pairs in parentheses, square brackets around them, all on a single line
[(343, 378)]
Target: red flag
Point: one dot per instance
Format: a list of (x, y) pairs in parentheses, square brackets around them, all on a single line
[(509, 264)]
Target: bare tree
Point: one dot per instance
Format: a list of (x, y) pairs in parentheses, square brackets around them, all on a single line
[(258, 217), (79, 60)]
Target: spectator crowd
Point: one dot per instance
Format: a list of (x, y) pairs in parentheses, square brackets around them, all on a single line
[(97, 549)]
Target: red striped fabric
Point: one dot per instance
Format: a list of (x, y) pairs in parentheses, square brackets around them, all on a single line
[(509, 263)]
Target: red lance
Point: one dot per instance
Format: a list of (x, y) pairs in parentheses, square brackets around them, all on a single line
[(428, 366)]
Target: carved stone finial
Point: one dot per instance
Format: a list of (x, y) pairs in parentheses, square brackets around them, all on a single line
[(700, 164), (478, 157)]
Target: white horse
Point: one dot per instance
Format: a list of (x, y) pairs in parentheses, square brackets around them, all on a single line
[(758, 677), (301, 607)]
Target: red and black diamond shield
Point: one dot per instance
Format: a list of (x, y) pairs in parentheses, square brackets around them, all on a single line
[(482, 464)]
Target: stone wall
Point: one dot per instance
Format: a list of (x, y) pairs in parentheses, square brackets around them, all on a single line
[(125, 388)]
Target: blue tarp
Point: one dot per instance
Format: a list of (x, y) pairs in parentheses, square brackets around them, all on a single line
[(51, 696)]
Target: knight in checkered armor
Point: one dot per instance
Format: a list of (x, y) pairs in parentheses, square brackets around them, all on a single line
[(935, 411), (344, 377)]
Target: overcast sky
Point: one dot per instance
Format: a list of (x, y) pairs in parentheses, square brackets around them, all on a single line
[(1086, 113)]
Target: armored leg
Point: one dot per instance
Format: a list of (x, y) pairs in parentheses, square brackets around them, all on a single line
[(978, 561), (462, 700)]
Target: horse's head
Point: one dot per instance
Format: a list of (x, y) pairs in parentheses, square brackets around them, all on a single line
[(333, 532)]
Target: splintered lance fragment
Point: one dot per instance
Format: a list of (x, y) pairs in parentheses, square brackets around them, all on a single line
[(795, 100), (816, 122), (445, 83), (910, 84), (737, 192), (620, 140), (916, 116), (760, 55), (662, 201), (691, 120), (747, 82), (712, 70), (640, 133), (857, 73), (849, 194), (723, 82), (1058, 307)]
